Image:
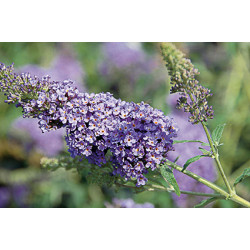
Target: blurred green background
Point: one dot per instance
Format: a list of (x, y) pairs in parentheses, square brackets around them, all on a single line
[(224, 68)]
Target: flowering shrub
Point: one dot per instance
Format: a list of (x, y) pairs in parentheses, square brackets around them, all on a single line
[(132, 139), (137, 136)]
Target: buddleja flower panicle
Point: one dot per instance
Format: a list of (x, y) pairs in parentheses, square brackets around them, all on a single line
[(183, 74), (137, 136)]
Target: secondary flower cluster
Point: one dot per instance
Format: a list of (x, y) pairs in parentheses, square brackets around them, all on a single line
[(193, 97), (137, 136)]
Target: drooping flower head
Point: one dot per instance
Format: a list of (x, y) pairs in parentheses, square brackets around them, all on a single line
[(137, 136), (63, 66), (193, 97)]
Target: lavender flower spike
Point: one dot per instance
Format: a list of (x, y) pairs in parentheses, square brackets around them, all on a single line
[(193, 97), (137, 136), (64, 66)]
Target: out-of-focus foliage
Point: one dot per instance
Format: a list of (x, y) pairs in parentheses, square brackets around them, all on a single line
[(224, 68)]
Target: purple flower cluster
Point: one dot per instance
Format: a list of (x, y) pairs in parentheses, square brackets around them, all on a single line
[(204, 167), (29, 92), (127, 203), (137, 136), (50, 144), (193, 97)]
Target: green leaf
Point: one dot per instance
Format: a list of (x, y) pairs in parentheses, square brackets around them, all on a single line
[(157, 182), (206, 202), (246, 173), (156, 178), (168, 176), (183, 141), (217, 133), (176, 159), (204, 151), (191, 160)]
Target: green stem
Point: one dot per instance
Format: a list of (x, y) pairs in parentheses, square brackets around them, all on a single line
[(216, 157), (221, 193), (126, 186), (171, 190), (219, 190), (188, 192), (199, 178), (201, 194)]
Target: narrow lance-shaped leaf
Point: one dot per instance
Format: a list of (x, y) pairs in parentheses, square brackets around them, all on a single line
[(217, 133), (204, 151), (245, 174), (157, 182), (154, 178), (206, 202), (176, 159), (191, 160), (168, 176), (184, 141)]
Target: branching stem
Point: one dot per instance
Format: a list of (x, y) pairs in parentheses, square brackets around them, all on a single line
[(234, 197), (216, 157)]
